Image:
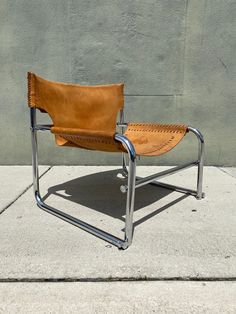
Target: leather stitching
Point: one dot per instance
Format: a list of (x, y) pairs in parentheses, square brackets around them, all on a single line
[(160, 128), (29, 88), (87, 139)]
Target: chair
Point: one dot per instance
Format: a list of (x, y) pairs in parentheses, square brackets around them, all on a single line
[(86, 117)]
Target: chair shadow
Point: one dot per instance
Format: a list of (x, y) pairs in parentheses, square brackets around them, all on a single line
[(101, 192)]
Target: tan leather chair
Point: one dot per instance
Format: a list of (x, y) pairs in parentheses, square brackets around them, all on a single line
[(86, 117)]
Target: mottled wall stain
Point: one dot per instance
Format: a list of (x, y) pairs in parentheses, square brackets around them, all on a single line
[(176, 58)]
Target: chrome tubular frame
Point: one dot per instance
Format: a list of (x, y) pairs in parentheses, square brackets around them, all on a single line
[(122, 244), (131, 187), (199, 163), (201, 144), (132, 184), (123, 125)]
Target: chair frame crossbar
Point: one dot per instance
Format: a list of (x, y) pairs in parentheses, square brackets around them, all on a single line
[(133, 182)]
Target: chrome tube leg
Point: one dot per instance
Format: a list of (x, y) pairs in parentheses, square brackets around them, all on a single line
[(34, 151), (124, 167), (130, 203), (131, 189), (201, 144), (200, 170)]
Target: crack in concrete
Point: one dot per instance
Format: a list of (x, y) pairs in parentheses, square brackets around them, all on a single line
[(23, 192), (184, 53), (117, 279), (223, 64)]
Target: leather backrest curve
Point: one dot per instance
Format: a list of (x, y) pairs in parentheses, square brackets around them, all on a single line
[(77, 106)]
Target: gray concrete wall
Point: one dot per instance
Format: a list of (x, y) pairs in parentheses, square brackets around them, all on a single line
[(177, 59)]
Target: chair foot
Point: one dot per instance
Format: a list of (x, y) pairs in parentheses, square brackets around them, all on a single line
[(123, 173), (124, 246), (199, 197)]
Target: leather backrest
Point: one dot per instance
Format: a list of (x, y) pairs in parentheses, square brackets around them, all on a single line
[(77, 106)]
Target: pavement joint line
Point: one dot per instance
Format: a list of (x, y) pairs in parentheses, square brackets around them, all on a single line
[(222, 170), (158, 95), (118, 279), (23, 192)]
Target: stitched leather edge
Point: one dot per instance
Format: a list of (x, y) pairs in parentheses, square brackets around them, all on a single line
[(160, 128), (29, 79)]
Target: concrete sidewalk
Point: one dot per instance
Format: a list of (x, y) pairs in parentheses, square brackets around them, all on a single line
[(176, 239)]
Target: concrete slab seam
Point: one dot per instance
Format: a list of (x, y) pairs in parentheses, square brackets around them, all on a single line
[(153, 95), (119, 279), (219, 168), (23, 192)]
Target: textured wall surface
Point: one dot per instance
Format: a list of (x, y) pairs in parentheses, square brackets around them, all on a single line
[(177, 59)]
